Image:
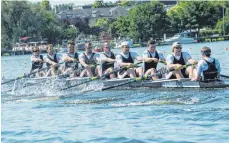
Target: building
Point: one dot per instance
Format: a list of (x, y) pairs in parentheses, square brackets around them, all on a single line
[(93, 14)]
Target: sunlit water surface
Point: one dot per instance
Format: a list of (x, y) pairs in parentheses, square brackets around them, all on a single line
[(42, 114)]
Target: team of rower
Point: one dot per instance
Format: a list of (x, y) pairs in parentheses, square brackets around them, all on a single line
[(90, 64)]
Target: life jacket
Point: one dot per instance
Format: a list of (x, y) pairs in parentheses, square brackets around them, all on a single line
[(126, 60), (71, 63), (182, 62), (37, 65), (91, 60), (151, 64), (51, 59), (211, 73), (107, 65)]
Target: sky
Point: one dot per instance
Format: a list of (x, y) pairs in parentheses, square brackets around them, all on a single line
[(76, 2)]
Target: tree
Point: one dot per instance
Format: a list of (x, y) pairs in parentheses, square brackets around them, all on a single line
[(147, 20), (98, 4), (194, 15), (45, 4), (103, 23), (120, 27)]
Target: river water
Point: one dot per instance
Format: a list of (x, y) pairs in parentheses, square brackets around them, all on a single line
[(134, 115)]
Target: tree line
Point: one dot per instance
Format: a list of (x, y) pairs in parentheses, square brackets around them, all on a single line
[(145, 20)]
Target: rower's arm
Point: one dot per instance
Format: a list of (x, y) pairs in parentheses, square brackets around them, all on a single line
[(67, 58), (139, 58), (192, 61), (82, 62), (47, 60), (169, 62), (108, 60), (148, 59), (120, 62), (34, 59)]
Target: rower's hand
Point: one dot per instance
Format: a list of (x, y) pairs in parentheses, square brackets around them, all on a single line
[(194, 62), (131, 65), (155, 60), (75, 60), (179, 67), (163, 61)]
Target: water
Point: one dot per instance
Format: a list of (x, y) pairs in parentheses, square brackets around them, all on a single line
[(38, 114)]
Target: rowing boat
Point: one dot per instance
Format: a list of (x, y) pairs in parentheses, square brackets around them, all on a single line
[(172, 83), (159, 83), (162, 83)]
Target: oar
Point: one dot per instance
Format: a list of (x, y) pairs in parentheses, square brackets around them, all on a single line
[(103, 76), (26, 75), (143, 77), (224, 75)]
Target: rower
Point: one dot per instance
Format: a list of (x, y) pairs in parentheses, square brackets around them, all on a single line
[(71, 60), (176, 60), (151, 58), (107, 59), (88, 61), (37, 62), (125, 59), (52, 62), (208, 69)]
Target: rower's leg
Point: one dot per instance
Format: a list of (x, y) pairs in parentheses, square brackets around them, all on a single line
[(178, 74), (83, 73), (139, 71), (148, 72), (89, 72), (98, 71), (190, 72), (48, 73), (131, 73), (153, 71), (111, 75)]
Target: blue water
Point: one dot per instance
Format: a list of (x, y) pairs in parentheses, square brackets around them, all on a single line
[(40, 114)]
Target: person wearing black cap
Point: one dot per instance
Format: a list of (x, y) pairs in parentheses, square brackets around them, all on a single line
[(208, 68), (71, 59), (176, 60), (151, 58)]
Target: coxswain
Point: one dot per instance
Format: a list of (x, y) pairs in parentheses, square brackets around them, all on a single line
[(208, 69)]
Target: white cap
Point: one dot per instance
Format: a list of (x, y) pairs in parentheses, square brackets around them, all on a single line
[(124, 44), (176, 44)]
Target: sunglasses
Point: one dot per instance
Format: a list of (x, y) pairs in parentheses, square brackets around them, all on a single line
[(35, 51), (178, 47)]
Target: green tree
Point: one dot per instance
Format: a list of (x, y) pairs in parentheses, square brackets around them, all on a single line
[(194, 15), (45, 4), (103, 23), (147, 20), (98, 4)]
